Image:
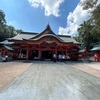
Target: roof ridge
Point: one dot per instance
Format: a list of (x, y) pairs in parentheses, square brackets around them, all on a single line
[(29, 33), (64, 35)]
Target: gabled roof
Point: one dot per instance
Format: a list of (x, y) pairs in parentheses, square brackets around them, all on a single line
[(47, 32), (8, 48), (24, 35), (6, 42), (96, 47), (82, 50), (47, 35), (67, 38)]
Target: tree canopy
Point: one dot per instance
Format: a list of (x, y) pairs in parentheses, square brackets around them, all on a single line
[(6, 31), (89, 31), (88, 3)]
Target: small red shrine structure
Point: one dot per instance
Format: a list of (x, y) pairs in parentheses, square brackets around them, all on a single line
[(41, 46), (96, 51), (82, 53)]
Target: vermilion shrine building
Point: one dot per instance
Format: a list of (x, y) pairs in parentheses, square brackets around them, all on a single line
[(41, 46)]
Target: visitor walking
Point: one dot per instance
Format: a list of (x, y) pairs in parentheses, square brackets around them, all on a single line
[(59, 57), (54, 57)]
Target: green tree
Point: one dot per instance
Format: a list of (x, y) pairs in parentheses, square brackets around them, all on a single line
[(18, 31), (89, 31), (88, 35), (10, 31), (2, 25), (85, 34), (6, 31), (88, 3), (96, 16), (95, 12), (2, 17)]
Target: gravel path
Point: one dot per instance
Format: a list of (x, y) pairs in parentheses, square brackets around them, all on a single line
[(9, 71)]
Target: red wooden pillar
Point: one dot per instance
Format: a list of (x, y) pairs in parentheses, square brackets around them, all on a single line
[(66, 51), (56, 51), (27, 53), (20, 51), (39, 52)]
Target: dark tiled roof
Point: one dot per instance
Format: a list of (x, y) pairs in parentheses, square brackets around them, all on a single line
[(48, 35), (8, 47), (6, 42), (67, 39), (81, 51), (24, 35), (31, 35), (95, 48)]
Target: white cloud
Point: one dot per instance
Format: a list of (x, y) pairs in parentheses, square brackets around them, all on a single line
[(74, 19), (51, 7)]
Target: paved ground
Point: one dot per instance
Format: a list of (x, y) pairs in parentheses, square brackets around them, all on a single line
[(92, 68), (53, 81)]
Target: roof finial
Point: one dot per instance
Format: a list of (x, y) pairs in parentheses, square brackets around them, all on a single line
[(48, 26)]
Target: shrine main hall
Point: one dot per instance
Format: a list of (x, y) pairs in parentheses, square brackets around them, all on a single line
[(41, 45)]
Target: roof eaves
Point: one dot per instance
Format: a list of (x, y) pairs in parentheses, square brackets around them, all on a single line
[(8, 47), (95, 48), (81, 51), (6, 42)]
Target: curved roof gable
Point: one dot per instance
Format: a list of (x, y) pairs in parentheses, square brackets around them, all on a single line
[(48, 35), (46, 31)]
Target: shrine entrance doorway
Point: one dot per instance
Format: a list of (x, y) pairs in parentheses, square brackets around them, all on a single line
[(46, 55), (34, 54)]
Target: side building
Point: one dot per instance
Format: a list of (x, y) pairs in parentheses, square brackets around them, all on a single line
[(40, 45)]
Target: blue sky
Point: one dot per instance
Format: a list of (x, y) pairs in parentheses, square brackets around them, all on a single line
[(64, 16)]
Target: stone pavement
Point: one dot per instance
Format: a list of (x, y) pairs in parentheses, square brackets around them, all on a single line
[(95, 65), (53, 81), (92, 68)]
